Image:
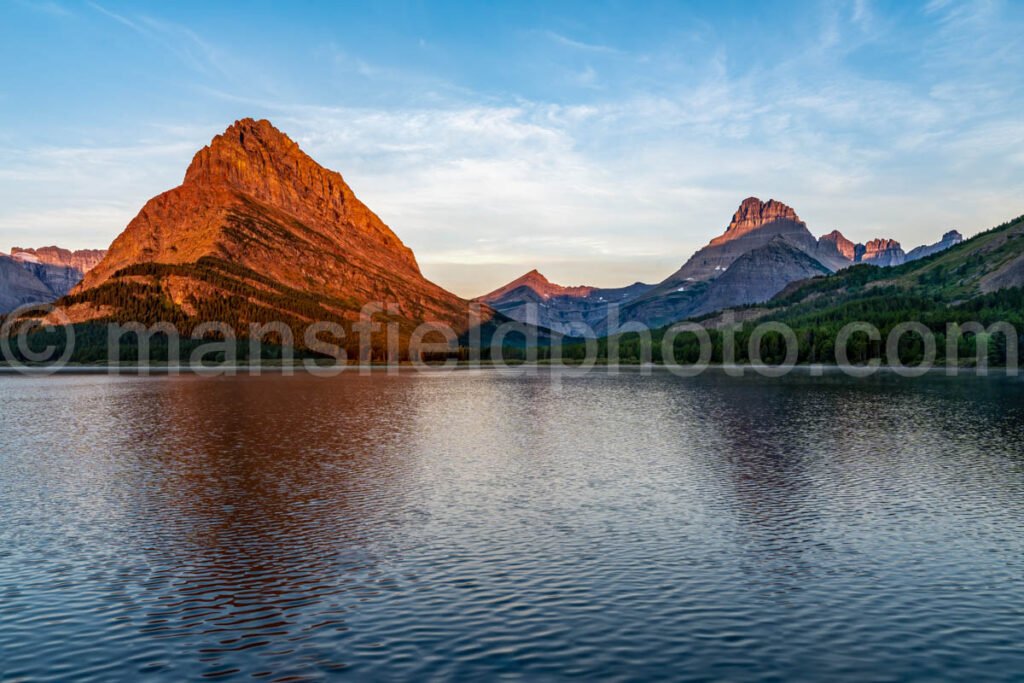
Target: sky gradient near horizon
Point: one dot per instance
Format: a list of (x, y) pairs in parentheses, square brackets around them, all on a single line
[(600, 142)]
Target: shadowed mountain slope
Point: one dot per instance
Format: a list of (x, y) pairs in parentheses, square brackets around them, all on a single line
[(570, 310)]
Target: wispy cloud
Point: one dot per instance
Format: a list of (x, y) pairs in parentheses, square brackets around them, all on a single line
[(642, 170), (564, 41), (125, 21), (50, 7), (181, 41)]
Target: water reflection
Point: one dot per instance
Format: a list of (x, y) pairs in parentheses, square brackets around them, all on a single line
[(481, 523)]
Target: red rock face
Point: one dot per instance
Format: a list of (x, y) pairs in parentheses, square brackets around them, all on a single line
[(82, 260), (540, 285), (883, 252), (753, 214), (255, 158), (253, 200), (253, 161), (754, 225), (842, 246)]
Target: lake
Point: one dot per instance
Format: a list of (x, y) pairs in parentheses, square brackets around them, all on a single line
[(486, 524)]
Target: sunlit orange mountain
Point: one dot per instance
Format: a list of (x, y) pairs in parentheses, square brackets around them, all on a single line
[(259, 231)]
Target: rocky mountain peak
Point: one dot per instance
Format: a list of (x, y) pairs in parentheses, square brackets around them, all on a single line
[(82, 260), (258, 230), (252, 167), (257, 159), (540, 285), (951, 238), (535, 275), (883, 252), (753, 225), (838, 241), (753, 214), (245, 147)]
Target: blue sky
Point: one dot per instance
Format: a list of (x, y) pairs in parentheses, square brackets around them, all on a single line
[(600, 142)]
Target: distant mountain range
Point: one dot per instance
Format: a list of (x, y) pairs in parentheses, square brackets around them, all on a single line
[(32, 276), (764, 248), (259, 232), (952, 273), (979, 280), (567, 310)]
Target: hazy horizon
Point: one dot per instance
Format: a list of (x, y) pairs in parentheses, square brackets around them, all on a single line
[(597, 146)]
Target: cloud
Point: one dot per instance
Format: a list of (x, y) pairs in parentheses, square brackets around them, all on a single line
[(54, 9), (181, 41), (84, 195), (559, 39), (638, 175), (125, 21)]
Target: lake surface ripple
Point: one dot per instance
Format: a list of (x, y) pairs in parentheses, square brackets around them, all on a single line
[(487, 524)]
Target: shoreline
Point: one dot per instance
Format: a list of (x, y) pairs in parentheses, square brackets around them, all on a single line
[(766, 371)]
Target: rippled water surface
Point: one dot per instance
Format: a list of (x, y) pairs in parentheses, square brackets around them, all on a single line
[(478, 524)]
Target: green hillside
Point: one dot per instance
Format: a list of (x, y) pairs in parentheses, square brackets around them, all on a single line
[(978, 280)]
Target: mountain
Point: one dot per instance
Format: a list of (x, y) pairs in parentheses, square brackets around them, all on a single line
[(757, 276), (59, 269), (968, 271), (19, 286), (569, 310), (693, 289), (754, 225), (835, 251), (765, 247), (882, 252), (258, 231), (540, 286), (950, 239), (977, 280), (844, 248), (47, 274), (82, 260)]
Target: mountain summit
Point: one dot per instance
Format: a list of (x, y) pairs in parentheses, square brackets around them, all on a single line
[(82, 260), (573, 310), (250, 167), (754, 214), (260, 231), (539, 285), (754, 225)]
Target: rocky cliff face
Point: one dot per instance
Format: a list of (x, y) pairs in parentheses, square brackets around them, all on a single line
[(258, 230), (540, 286), (754, 214), (883, 252), (948, 240), (58, 279), (835, 251), (579, 310), (757, 276), (51, 273), (19, 286), (754, 225), (82, 260), (838, 243)]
